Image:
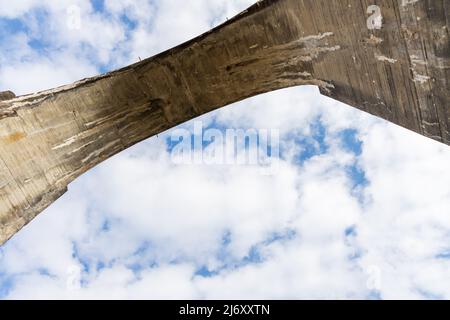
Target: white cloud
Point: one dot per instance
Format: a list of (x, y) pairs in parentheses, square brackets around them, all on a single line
[(51, 73)]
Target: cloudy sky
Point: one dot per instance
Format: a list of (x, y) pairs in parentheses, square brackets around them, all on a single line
[(356, 208)]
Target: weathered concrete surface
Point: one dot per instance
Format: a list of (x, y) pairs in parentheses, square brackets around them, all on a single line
[(391, 60)]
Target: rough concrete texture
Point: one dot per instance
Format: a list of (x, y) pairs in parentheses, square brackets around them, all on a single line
[(386, 57)]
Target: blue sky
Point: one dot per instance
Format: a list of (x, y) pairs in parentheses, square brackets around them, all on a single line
[(357, 207)]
